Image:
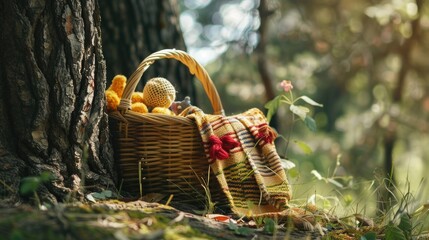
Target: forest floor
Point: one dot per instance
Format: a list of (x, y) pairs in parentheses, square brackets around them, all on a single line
[(113, 219)]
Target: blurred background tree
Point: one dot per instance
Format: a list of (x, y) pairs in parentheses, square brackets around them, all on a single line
[(365, 61)]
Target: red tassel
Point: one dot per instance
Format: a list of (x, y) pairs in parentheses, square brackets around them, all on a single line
[(228, 142), (266, 133), (216, 150), (220, 147)]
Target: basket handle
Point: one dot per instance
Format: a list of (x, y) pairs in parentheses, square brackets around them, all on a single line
[(193, 66)]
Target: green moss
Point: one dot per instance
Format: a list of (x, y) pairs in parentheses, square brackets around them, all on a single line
[(184, 232)]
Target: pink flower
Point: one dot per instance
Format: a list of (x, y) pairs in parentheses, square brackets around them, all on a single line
[(286, 85)]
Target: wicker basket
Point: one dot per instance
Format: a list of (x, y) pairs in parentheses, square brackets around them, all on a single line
[(168, 149)]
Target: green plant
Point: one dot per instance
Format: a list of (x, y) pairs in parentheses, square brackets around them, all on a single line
[(240, 231), (30, 185), (338, 181), (206, 198), (209, 204), (270, 226), (287, 98), (94, 196)]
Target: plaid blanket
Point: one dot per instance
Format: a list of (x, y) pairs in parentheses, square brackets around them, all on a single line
[(244, 160)]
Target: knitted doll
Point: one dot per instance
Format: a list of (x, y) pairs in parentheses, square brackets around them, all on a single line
[(178, 106), (114, 92)]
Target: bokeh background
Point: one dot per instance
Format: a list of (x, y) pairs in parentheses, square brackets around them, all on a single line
[(365, 61)]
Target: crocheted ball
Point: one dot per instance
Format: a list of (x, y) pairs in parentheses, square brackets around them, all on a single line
[(139, 107), (158, 92), (112, 100), (137, 97)]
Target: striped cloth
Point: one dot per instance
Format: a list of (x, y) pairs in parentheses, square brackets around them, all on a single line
[(244, 160)]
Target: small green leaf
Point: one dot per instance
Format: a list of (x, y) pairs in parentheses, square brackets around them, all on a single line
[(269, 225), (272, 107), (335, 182), (300, 111), (394, 233), (317, 174), (97, 195), (29, 185), (244, 231), (90, 198), (232, 225), (310, 101), (348, 199), (303, 146), (293, 173), (17, 234), (286, 164), (46, 176), (107, 193), (310, 123), (369, 236), (405, 224)]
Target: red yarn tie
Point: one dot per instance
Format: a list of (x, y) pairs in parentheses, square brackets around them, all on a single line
[(228, 142), (219, 147), (266, 133)]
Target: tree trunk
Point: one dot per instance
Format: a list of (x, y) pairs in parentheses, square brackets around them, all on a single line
[(390, 135), (52, 81), (134, 29), (264, 13), (261, 52)]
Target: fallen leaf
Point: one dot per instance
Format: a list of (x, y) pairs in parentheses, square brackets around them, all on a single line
[(220, 218)]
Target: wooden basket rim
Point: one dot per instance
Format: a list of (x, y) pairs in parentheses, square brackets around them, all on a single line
[(154, 118)]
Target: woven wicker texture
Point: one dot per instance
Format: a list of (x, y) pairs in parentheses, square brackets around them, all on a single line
[(159, 92), (194, 67), (168, 148)]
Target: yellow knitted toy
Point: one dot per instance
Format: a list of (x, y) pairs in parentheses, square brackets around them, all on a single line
[(118, 85), (137, 97), (137, 104), (114, 92), (139, 107), (158, 92)]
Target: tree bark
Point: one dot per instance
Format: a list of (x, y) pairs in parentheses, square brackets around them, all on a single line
[(134, 29), (52, 81)]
